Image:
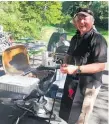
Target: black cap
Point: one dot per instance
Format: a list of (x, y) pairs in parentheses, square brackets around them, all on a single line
[(84, 11)]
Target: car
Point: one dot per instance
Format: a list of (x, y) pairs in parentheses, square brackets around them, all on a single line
[(58, 44)]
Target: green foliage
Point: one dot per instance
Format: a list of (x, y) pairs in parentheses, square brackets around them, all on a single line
[(100, 9), (26, 18)]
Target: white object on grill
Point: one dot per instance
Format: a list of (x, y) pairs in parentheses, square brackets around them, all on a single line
[(18, 84), (48, 61)]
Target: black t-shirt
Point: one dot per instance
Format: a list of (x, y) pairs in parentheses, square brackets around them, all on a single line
[(87, 49)]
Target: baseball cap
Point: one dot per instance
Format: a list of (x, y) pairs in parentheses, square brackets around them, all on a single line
[(84, 11)]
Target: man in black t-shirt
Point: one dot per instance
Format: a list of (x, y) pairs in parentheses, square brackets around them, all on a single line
[(86, 58)]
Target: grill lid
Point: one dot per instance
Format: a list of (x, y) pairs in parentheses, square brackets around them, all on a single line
[(15, 60)]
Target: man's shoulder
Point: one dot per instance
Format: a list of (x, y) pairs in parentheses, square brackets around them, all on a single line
[(97, 37), (97, 34)]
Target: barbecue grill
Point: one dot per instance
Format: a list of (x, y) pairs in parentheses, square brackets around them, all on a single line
[(16, 63), (18, 89)]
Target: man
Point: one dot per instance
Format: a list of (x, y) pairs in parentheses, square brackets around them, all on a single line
[(86, 59)]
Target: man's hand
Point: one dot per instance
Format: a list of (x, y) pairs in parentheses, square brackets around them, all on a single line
[(68, 69)]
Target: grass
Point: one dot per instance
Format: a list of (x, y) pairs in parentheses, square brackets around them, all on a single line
[(48, 30)]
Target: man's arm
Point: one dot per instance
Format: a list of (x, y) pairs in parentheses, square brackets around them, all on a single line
[(89, 68), (92, 68)]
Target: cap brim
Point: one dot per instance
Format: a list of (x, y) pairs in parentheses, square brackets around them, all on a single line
[(82, 13)]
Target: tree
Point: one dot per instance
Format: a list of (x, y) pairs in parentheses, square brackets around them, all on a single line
[(26, 18), (100, 9)]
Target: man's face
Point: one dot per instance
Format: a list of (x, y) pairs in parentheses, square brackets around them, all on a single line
[(83, 23)]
